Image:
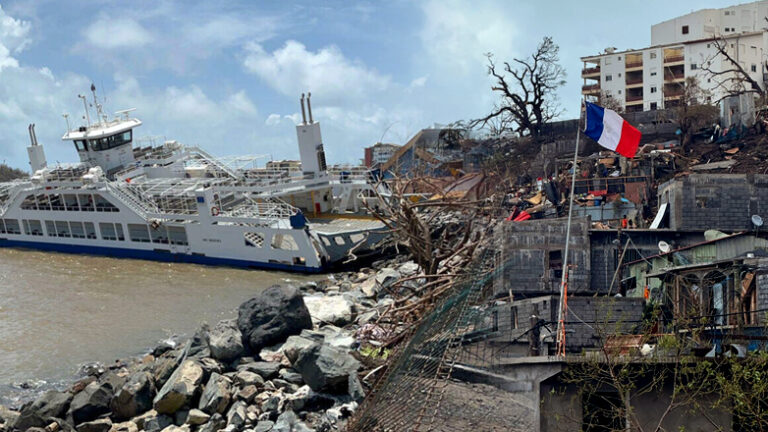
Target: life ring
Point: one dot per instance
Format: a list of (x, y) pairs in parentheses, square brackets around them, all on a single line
[(214, 211)]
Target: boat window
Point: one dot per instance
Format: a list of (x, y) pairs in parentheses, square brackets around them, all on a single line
[(2, 227), (76, 228), (70, 201), (103, 205), (119, 231), (90, 231), (81, 145), (50, 228), (108, 231), (12, 226), (43, 203), (56, 203), (62, 229), (110, 142), (339, 240), (33, 227), (284, 242), (86, 202), (29, 203), (138, 233), (178, 235), (158, 234)]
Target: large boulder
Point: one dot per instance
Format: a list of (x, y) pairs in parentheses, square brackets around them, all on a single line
[(50, 404), (216, 423), (99, 425), (180, 388), (226, 341), (387, 276), (266, 370), (326, 369), (134, 397), (92, 402), (295, 345), (290, 422), (236, 414), (272, 316), (336, 310), (216, 395)]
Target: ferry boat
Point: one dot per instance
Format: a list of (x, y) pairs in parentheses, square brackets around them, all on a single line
[(172, 202)]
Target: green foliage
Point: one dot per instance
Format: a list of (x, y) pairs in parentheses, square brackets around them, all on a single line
[(7, 173), (375, 352)]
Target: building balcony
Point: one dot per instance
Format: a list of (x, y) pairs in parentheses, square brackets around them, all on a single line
[(673, 94), (674, 59), (634, 98), (634, 66), (669, 76), (590, 89), (634, 82), (590, 72)]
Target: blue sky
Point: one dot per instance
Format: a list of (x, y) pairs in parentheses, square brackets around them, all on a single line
[(227, 75)]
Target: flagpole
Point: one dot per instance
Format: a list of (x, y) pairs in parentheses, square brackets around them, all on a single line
[(564, 276)]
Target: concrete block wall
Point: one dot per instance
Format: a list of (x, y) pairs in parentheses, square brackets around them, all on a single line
[(604, 316), (525, 256), (715, 201), (762, 297)]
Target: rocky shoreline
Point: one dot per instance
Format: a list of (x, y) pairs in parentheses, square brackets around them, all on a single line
[(296, 358)]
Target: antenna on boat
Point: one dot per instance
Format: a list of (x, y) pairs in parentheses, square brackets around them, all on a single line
[(66, 118), (309, 107), (303, 114), (99, 111), (85, 105)]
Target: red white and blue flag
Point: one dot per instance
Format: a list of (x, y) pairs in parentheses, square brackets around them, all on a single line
[(611, 131)]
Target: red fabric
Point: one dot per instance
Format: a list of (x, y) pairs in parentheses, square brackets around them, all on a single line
[(523, 216), (629, 141)]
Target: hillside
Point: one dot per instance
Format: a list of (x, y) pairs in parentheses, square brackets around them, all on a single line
[(7, 173)]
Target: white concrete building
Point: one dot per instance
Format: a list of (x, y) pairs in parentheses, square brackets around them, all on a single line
[(651, 78)]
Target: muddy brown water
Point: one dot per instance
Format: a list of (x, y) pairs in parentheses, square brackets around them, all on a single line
[(59, 311)]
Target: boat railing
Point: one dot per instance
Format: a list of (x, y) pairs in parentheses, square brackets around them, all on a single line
[(271, 208), (9, 193), (212, 161), (133, 200)]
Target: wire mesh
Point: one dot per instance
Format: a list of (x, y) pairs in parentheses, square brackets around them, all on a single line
[(419, 393)]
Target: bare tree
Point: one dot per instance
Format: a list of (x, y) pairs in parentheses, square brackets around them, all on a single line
[(730, 77), (692, 111), (607, 100), (527, 90)]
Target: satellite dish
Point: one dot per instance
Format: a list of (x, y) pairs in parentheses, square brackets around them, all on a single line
[(664, 247), (757, 221)]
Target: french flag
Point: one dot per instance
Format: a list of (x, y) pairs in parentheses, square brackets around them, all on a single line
[(611, 131)]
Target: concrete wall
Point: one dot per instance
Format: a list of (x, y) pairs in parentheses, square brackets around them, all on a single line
[(715, 201), (527, 248)]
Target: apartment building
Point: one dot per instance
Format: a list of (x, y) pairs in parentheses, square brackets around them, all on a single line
[(379, 153), (652, 78)]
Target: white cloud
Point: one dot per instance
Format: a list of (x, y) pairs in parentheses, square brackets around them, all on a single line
[(419, 82), (273, 119), (327, 73), (111, 33), (459, 33), (14, 37)]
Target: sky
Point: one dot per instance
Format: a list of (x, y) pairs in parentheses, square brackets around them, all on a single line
[(227, 75)]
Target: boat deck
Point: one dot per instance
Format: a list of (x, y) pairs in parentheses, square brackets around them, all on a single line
[(340, 225)]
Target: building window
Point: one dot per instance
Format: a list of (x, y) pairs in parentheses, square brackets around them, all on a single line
[(619, 74), (608, 77), (619, 58), (693, 66), (653, 55), (726, 13), (653, 89), (653, 73), (619, 91), (653, 105), (754, 68), (685, 29)]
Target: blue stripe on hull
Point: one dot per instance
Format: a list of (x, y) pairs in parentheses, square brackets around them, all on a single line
[(153, 255)]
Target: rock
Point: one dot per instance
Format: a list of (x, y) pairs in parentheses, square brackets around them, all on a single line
[(326, 368), (216, 395), (50, 404), (165, 366), (225, 341), (174, 428), (237, 414), (289, 422), (9, 416), (198, 345), (197, 417), (294, 345), (180, 417), (387, 276), (134, 397), (247, 393), (157, 423), (337, 310), (126, 426), (180, 388), (140, 419), (408, 268), (209, 366), (266, 370), (291, 376), (100, 425), (90, 403), (94, 369), (264, 426), (298, 399), (246, 378), (342, 341), (366, 317), (272, 316), (369, 288), (216, 423), (355, 388)]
